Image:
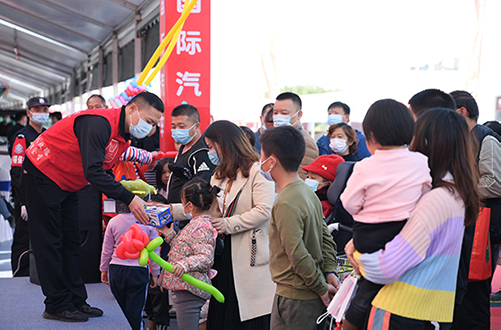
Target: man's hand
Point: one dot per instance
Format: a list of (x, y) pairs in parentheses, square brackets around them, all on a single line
[(350, 249), (327, 297), (178, 270), (104, 278), (333, 280), (136, 206), (24, 213), (218, 224)]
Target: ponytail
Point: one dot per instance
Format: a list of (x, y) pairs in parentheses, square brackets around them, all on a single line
[(200, 193)]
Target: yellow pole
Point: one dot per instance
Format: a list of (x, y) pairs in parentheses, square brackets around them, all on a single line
[(186, 11)]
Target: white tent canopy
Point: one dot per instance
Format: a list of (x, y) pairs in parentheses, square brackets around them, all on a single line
[(62, 48)]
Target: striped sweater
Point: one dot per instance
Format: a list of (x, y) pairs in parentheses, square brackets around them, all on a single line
[(420, 264)]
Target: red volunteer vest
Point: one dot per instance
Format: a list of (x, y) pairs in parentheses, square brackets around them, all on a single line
[(56, 152)]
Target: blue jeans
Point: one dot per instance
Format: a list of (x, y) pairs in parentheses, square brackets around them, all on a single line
[(3, 209), (188, 308)]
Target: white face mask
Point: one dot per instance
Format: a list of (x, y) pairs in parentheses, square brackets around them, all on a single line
[(283, 120), (267, 175), (339, 146)]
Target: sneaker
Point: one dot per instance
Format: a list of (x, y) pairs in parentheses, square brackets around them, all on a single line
[(90, 311), (66, 316), (496, 297)]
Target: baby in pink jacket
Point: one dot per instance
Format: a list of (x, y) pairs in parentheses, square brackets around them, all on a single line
[(383, 189)]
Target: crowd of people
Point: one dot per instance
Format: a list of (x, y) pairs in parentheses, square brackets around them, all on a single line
[(249, 212)]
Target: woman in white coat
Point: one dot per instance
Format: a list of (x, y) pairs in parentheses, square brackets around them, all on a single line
[(242, 218)]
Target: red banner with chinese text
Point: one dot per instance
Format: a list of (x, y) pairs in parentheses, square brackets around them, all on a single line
[(185, 78)]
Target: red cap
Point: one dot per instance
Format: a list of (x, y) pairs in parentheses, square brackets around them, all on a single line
[(325, 166)]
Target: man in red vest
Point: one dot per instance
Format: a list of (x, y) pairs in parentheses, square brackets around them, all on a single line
[(78, 149)]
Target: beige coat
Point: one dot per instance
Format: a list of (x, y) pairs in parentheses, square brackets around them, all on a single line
[(311, 152), (253, 285)]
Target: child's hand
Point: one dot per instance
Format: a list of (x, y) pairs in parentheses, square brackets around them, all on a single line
[(153, 281), (178, 270), (349, 248), (165, 230), (104, 278)]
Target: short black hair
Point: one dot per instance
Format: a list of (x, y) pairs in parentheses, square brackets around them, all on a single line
[(389, 123), (345, 107), (465, 100), (493, 125), (99, 96), (269, 117), (56, 114), (287, 144), (266, 108), (291, 96), (19, 115), (249, 134), (431, 98), (186, 110), (151, 99)]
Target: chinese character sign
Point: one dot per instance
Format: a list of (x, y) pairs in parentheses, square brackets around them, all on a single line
[(186, 76)]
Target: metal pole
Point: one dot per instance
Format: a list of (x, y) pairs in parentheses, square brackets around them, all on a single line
[(115, 64), (100, 71), (137, 49)]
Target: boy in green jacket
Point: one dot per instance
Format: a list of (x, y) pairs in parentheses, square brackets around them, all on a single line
[(302, 252)]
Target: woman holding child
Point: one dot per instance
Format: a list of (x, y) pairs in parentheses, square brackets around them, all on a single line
[(420, 265)]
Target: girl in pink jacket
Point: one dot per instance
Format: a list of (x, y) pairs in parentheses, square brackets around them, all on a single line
[(192, 251)]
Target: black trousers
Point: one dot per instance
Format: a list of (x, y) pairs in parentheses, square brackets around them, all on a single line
[(55, 238), (474, 313), (128, 284), (20, 244)]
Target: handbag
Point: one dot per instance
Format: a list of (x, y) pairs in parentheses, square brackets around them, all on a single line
[(480, 263), (230, 211)]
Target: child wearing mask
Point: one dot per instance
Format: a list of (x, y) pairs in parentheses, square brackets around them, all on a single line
[(192, 251), (127, 280), (302, 252), (383, 190), (319, 176)]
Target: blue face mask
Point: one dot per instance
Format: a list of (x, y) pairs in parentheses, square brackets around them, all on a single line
[(312, 183), (264, 127), (141, 130), (283, 120), (334, 119), (214, 158), (39, 118), (187, 215), (182, 135), (267, 175)]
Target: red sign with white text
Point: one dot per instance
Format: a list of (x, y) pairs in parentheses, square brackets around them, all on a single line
[(185, 78)]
